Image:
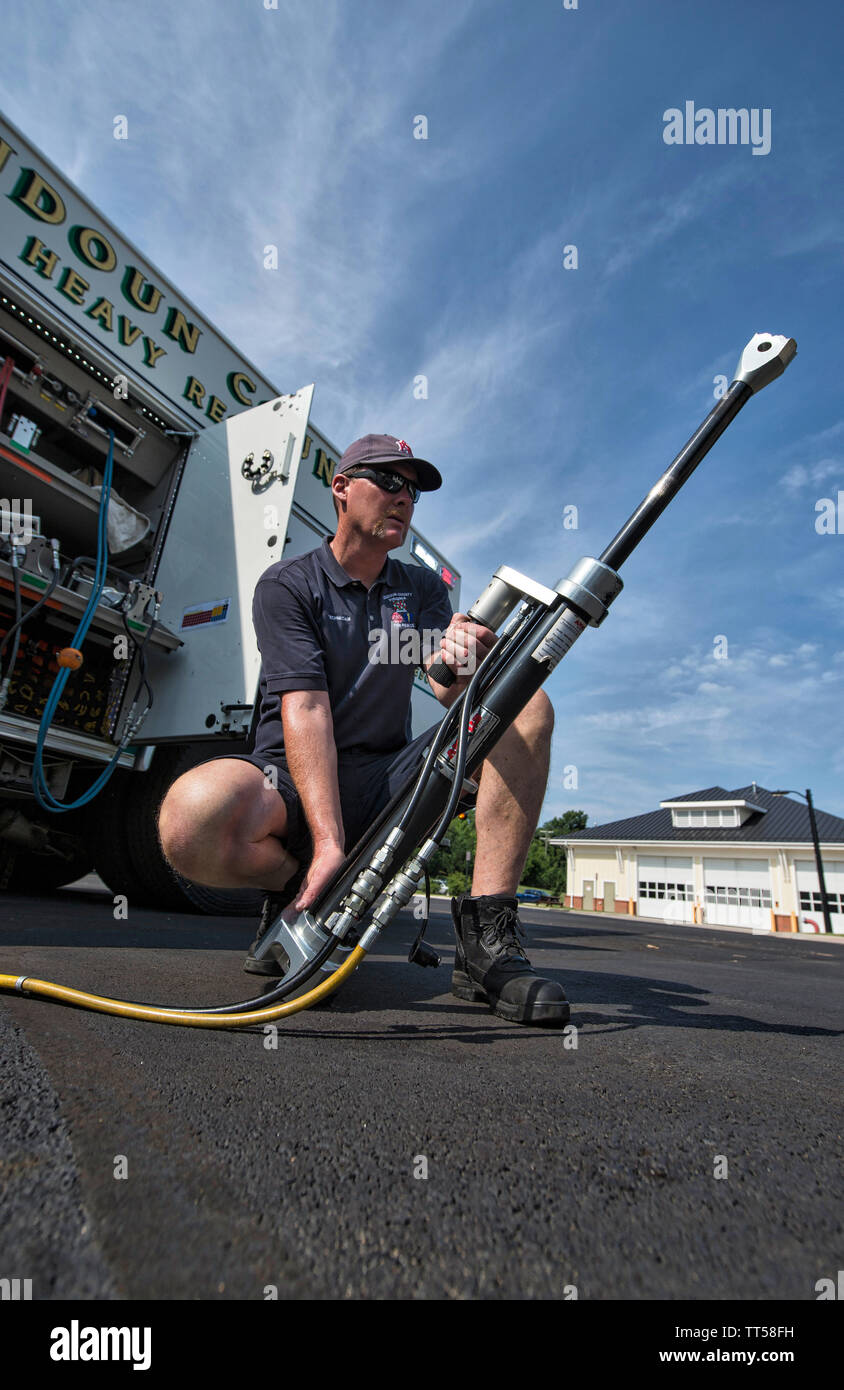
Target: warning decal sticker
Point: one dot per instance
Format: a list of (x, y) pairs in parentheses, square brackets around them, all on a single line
[(204, 614), (556, 643)]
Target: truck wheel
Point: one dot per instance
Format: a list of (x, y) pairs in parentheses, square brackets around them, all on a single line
[(169, 888), (24, 871), (108, 841)]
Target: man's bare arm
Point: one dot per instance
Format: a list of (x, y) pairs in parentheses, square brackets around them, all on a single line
[(312, 759)]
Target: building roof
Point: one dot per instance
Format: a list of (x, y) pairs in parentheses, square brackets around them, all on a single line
[(709, 794), (783, 821)]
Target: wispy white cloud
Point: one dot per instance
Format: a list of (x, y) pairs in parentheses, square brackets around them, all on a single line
[(802, 475), (719, 721), (653, 221), (813, 442)]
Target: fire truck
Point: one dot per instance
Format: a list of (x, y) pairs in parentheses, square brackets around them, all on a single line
[(149, 475)]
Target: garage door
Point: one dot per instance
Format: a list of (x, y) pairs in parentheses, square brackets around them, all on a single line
[(737, 893), (810, 910), (666, 887)]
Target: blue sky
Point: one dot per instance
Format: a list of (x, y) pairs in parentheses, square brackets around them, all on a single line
[(547, 387)]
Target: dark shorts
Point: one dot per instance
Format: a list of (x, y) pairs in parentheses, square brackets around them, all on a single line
[(367, 782)]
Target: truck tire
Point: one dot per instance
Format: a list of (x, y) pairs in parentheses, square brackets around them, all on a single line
[(24, 871), (164, 887), (108, 841)]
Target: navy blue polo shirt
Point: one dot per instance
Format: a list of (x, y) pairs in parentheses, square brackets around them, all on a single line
[(319, 629)]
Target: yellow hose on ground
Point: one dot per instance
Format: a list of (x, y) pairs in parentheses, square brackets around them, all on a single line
[(43, 989)]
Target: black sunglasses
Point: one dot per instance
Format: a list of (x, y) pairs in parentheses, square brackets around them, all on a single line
[(388, 482)]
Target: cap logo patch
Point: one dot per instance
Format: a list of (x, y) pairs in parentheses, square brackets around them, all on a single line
[(404, 447)]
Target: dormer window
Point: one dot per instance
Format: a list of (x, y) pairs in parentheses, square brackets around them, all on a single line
[(711, 815), (687, 818)]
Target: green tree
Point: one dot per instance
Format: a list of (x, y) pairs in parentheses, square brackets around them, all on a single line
[(537, 870), (451, 858), (566, 824), (555, 877), (457, 883), (545, 866)]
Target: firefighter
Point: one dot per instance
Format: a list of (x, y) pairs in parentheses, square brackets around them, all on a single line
[(334, 739)]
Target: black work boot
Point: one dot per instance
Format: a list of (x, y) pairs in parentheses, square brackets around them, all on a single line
[(490, 964), (277, 962)]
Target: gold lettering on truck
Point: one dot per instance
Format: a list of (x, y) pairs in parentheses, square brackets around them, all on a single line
[(324, 467), (28, 193), (186, 334), (140, 291), (93, 247), (102, 312), (36, 254), (73, 286), (237, 380), (194, 391), (127, 331)]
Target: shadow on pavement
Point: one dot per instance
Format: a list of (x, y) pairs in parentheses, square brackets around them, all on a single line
[(636, 1003), (627, 1001)]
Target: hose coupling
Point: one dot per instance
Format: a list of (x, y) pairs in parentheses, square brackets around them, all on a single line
[(363, 891), (396, 895)]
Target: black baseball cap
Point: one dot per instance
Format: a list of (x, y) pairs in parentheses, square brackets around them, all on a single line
[(386, 449)]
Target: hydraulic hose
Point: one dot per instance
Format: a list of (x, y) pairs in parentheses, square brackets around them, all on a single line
[(293, 982), (42, 792), (5, 376), (14, 630), (245, 1013), (43, 989), (43, 795), (20, 620), (490, 667), (282, 990)]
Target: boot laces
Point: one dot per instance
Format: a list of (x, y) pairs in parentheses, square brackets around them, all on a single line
[(502, 932)]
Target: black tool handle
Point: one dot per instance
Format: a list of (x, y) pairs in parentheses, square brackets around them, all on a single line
[(441, 673)]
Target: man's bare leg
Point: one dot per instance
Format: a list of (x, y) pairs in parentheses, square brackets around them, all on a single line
[(490, 964), (222, 824), (510, 796), (263, 864)]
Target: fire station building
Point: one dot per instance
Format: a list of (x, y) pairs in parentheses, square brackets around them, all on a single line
[(740, 858)]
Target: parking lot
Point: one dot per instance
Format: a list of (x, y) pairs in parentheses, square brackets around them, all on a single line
[(680, 1142)]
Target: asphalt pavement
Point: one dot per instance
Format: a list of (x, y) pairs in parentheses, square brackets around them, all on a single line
[(681, 1141)]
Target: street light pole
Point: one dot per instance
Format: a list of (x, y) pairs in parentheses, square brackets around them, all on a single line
[(827, 922), (807, 796)]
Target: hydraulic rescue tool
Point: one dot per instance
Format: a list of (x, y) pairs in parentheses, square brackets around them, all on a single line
[(536, 626)]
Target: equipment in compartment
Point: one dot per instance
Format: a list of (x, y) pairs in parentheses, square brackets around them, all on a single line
[(86, 699), (77, 401)]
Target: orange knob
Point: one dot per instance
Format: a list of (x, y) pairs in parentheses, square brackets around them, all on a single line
[(69, 656)]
